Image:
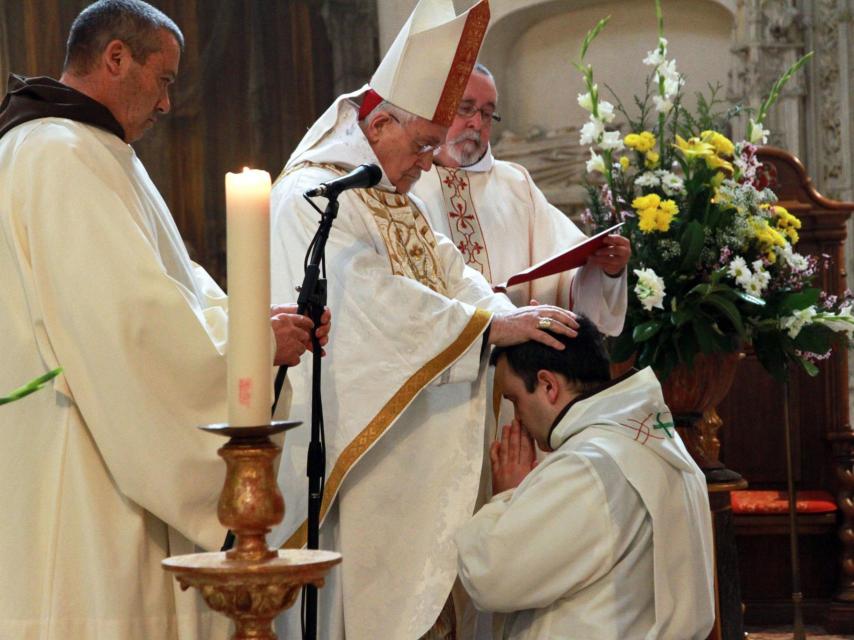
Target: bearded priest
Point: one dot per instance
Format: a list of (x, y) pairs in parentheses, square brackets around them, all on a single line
[(502, 223)]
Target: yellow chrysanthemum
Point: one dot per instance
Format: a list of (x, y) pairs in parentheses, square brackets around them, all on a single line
[(669, 207), (643, 141), (793, 235), (663, 220), (785, 219), (694, 147), (624, 163), (723, 145), (647, 220), (654, 214), (651, 160), (767, 236), (650, 201)]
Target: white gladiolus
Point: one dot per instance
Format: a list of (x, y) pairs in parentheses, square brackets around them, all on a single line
[(591, 131), (758, 135), (657, 55), (585, 101), (840, 322), (797, 321), (662, 105), (671, 86), (596, 163), (611, 140), (606, 111), (649, 289)]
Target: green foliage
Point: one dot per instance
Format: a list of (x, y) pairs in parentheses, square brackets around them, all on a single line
[(31, 387)]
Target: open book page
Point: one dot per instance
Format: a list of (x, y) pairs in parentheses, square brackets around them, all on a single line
[(573, 257)]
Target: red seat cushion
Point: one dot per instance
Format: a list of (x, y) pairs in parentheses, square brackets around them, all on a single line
[(773, 502)]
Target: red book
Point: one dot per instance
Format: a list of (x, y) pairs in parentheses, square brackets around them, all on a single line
[(570, 259)]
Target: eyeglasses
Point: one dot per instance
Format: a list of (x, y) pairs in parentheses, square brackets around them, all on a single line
[(418, 149), (487, 113)]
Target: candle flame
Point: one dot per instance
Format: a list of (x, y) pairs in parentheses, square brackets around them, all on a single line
[(246, 169)]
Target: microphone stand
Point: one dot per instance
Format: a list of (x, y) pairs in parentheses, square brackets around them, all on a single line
[(312, 302)]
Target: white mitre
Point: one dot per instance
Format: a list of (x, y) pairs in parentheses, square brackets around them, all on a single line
[(425, 72), (427, 67)]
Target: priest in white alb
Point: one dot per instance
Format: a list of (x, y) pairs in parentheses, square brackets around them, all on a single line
[(609, 536), (104, 472), (403, 382), (502, 223)]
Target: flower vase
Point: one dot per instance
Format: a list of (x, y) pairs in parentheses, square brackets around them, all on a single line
[(692, 394)]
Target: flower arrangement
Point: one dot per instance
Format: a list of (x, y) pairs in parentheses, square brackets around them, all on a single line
[(713, 264)]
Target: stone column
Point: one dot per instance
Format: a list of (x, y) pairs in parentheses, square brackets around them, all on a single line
[(768, 37), (831, 118)]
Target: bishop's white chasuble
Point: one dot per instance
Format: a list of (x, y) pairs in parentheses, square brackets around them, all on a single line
[(403, 389)]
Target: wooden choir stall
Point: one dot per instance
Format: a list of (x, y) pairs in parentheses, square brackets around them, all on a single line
[(753, 443)]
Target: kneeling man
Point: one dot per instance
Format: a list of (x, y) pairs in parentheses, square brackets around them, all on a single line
[(609, 536)]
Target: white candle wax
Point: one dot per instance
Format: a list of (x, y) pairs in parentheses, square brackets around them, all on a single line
[(250, 361)]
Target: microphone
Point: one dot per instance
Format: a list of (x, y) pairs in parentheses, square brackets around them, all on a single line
[(362, 177)]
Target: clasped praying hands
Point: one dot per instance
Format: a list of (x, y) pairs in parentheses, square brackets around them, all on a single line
[(512, 457)]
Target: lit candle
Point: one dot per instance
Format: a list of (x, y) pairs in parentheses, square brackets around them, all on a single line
[(250, 360)]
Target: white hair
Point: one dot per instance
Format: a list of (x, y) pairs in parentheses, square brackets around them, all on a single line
[(403, 116), (482, 70)]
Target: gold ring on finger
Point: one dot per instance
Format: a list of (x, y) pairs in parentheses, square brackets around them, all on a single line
[(544, 323)]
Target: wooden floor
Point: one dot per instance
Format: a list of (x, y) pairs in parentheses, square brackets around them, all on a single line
[(785, 633)]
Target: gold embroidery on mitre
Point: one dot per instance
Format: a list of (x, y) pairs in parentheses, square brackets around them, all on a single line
[(389, 413), (468, 47), (409, 240)]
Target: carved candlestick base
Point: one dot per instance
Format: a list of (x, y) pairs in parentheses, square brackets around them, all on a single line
[(251, 584)]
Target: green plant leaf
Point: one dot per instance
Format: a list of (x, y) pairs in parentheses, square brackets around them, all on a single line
[(703, 289), (591, 36), (749, 299), (771, 354), (645, 331), (692, 244), (729, 310), (814, 338), (800, 300), (686, 346), (682, 315), (809, 367), (31, 387), (623, 346), (706, 338)]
